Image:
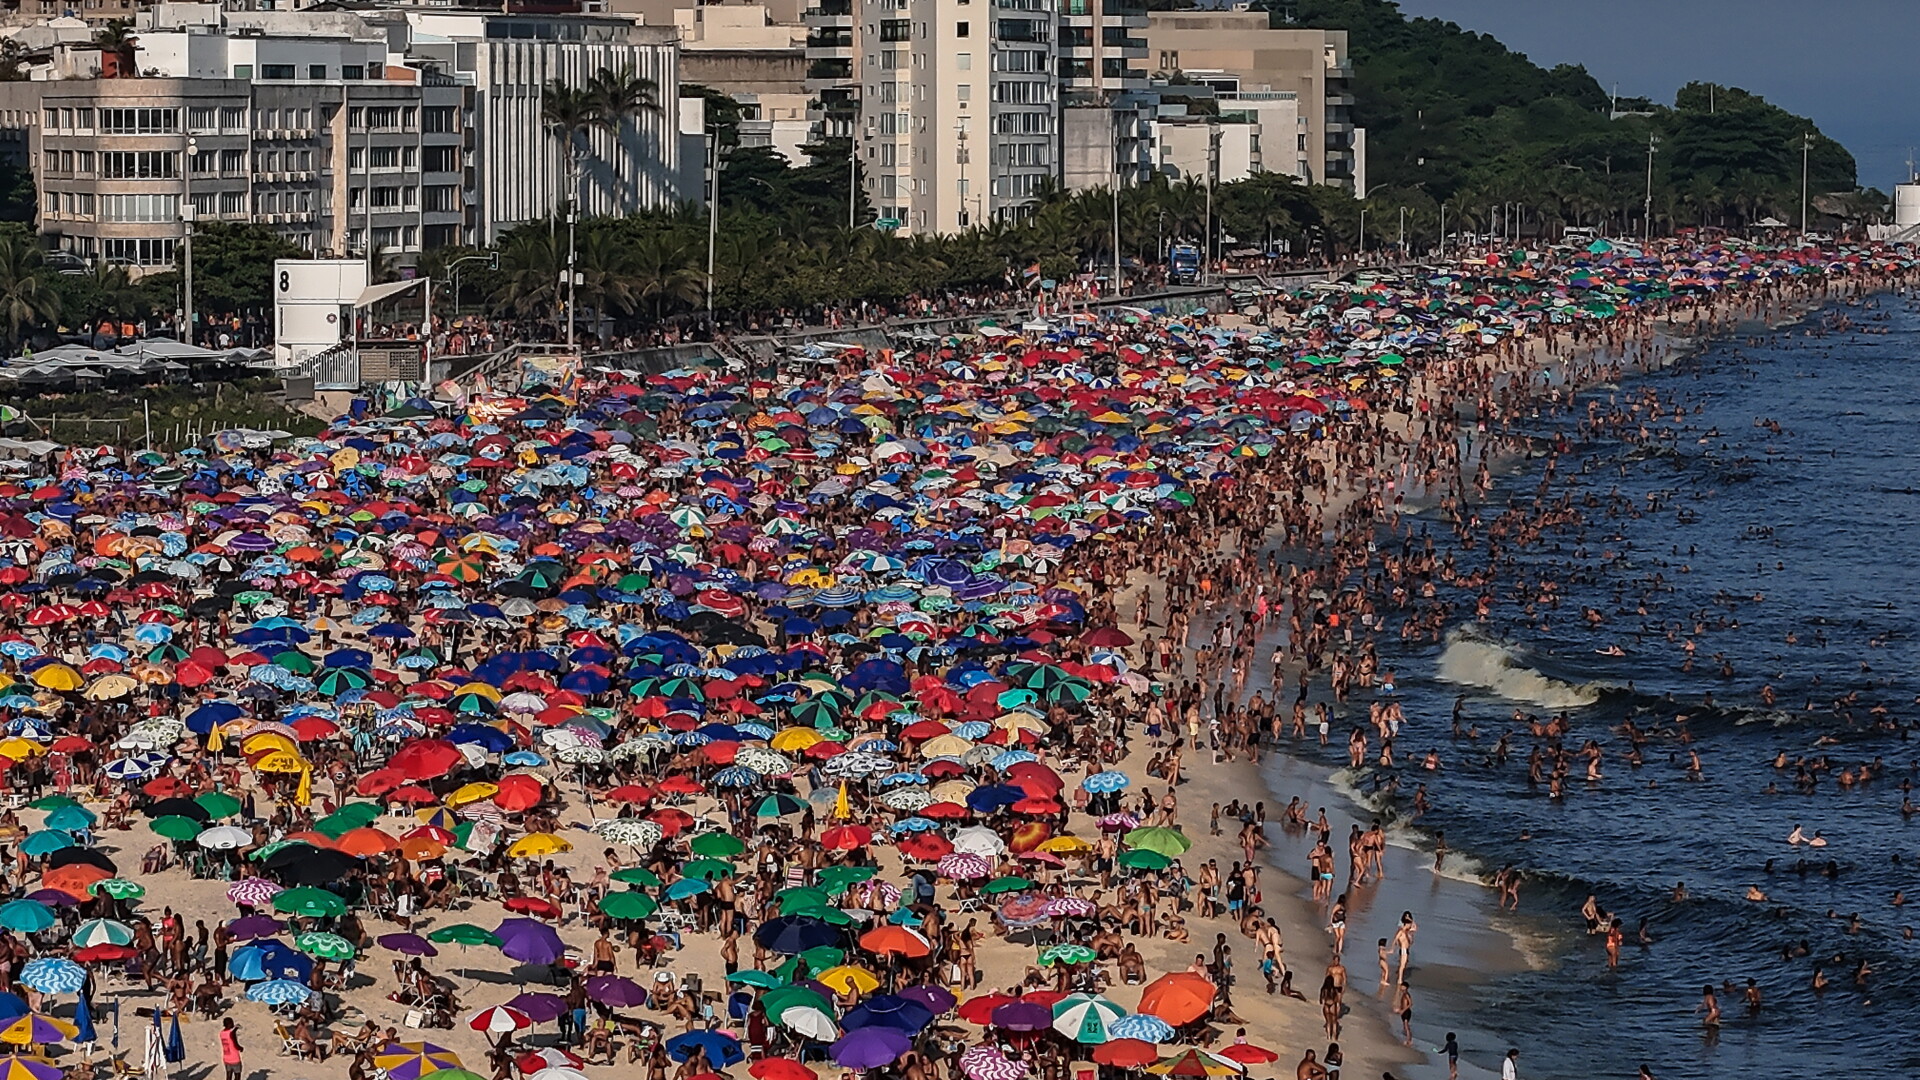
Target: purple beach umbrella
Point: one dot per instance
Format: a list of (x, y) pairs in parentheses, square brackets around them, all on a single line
[(539, 1007), (529, 941), (870, 1047), (249, 927), (615, 990), (408, 945)]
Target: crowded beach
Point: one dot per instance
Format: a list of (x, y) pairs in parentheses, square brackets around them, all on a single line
[(869, 714)]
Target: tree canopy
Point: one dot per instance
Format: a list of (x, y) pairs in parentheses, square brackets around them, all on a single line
[(1454, 116)]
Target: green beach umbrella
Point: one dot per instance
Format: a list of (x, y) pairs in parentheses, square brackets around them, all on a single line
[(627, 905), (463, 934), (1142, 859), (717, 845), (309, 902), (218, 804), (118, 889), (1067, 953), (765, 980), (71, 819), (53, 802), (637, 875), (1006, 884), (708, 869), (1168, 842), (325, 946)]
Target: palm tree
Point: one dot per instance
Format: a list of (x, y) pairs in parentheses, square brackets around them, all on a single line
[(571, 113), (617, 97), (530, 269), (117, 37), (27, 301)]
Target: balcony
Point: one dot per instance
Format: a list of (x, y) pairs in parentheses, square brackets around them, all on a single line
[(824, 74), (829, 13), (832, 43), (1022, 30)]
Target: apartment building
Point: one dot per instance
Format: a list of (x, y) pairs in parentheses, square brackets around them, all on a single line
[(1238, 52), (315, 135)]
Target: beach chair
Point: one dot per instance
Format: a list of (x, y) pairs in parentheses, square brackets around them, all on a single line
[(288, 1044)]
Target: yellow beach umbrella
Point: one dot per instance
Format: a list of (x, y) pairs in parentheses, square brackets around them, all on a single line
[(538, 846), (58, 677), (849, 979), (793, 739), (473, 793)]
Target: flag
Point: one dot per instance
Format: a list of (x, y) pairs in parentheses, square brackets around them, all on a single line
[(1032, 273)]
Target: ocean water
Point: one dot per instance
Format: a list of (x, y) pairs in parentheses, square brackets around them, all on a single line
[(1737, 536)]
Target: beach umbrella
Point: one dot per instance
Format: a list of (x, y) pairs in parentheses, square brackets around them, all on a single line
[(772, 1068), (278, 992), (1164, 841), (988, 1062), (36, 1028), (1195, 1063), (529, 941), (1179, 997), (870, 1047), (793, 934), (1125, 1053), (53, 975), (889, 1010), (413, 1060), (1066, 953), (15, 1067), (309, 902), (1140, 1027), (118, 889), (627, 905), (1246, 1053), (616, 990), (499, 1019), (26, 916), (325, 946), (253, 891), (1084, 1017), (719, 1048), (102, 932)]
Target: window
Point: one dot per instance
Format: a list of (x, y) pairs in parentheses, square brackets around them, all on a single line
[(316, 71), (233, 162), (233, 118), (268, 118), (205, 163), (137, 251), (442, 199), (386, 157), (438, 120), (960, 29), (139, 121), (202, 118), (352, 72), (140, 208), (895, 30), (139, 164), (232, 202), (269, 161), (276, 71), (963, 91), (442, 159), (963, 61), (243, 71)]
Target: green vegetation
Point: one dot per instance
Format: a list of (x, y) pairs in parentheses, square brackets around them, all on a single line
[(1456, 117), (178, 412)]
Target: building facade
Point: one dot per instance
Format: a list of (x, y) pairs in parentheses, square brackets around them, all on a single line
[(1238, 52), (383, 131)]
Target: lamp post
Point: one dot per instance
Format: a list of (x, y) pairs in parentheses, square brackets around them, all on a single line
[(1646, 235), (186, 242), (1443, 227), (573, 276), (1363, 231), (1806, 149)]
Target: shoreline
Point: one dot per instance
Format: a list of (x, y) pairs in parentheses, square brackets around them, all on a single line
[(1464, 946)]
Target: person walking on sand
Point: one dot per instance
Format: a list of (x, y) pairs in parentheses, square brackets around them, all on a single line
[(230, 1048), (1510, 1065)]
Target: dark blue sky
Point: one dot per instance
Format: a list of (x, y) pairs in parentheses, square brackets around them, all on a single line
[(1848, 64)]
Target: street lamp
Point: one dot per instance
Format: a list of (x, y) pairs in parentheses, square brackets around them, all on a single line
[(1646, 237), (1806, 148), (186, 241)]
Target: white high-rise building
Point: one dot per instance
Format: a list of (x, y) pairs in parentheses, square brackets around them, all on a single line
[(959, 109)]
